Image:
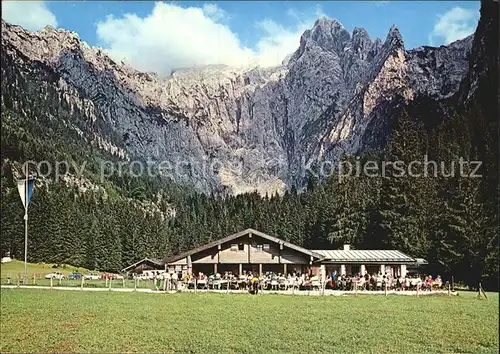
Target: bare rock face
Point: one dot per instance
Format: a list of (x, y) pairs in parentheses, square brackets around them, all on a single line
[(221, 128)]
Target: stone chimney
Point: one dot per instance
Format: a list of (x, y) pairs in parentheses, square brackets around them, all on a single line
[(347, 247)]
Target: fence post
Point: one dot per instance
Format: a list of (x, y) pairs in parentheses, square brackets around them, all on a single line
[(481, 292), (81, 286), (51, 282), (106, 281), (110, 280), (418, 286), (195, 284), (385, 289), (449, 291), (18, 281), (60, 280), (135, 284)]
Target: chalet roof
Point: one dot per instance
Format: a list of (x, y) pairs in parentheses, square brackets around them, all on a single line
[(238, 235), (365, 256), (420, 262), (157, 262)]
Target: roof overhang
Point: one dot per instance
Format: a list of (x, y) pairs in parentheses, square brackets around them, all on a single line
[(145, 260), (312, 254), (419, 262)]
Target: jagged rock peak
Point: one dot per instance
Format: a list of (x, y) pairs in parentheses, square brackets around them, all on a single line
[(325, 22), (394, 38), (328, 34), (331, 35), (359, 33), (361, 42), (49, 28)]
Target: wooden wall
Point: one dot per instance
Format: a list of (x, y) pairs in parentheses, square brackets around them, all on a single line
[(249, 253)]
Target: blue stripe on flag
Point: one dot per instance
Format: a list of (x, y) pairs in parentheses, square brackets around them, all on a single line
[(31, 187)]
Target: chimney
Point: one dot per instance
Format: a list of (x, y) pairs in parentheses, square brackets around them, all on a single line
[(346, 248)]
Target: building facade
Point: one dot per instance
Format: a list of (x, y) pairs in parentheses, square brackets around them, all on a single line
[(255, 251)]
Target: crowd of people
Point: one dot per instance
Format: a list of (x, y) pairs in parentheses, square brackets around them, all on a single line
[(295, 281), (381, 281)]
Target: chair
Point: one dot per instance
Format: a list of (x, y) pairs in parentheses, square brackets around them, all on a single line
[(202, 283), (315, 284), (437, 284)]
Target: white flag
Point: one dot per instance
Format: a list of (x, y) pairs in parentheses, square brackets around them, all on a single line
[(21, 187)]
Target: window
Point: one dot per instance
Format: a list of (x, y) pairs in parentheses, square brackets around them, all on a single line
[(234, 247), (259, 247), (266, 246), (241, 247)]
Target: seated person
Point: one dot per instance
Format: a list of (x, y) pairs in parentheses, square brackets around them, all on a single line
[(438, 282), (407, 283), (429, 281)]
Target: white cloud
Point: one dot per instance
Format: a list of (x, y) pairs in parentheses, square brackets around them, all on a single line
[(214, 12), (173, 36), (455, 24), (277, 41), (32, 15)]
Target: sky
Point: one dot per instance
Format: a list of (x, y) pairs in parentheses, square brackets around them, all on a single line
[(161, 36)]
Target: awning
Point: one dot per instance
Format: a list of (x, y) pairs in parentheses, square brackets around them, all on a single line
[(364, 257)]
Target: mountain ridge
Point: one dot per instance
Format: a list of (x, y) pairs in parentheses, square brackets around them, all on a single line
[(260, 127)]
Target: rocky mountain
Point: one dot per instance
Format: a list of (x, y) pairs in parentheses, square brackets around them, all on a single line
[(232, 129)]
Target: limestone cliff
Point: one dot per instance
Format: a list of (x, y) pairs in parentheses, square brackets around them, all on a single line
[(238, 130)]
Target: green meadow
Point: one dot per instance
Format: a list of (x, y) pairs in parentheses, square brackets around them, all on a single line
[(35, 320), (15, 269)]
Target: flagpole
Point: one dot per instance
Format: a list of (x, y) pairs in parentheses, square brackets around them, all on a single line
[(26, 227)]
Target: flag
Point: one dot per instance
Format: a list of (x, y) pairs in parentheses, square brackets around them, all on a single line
[(21, 187)]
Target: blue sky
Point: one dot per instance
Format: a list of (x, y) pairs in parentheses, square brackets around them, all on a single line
[(197, 33)]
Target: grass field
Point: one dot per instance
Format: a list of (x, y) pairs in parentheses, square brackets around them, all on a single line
[(15, 270), (16, 267), (65, 321)]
